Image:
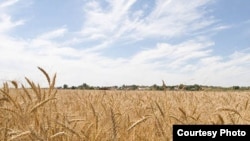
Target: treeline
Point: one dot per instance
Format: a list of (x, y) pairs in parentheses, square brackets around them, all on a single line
[(183, 87)]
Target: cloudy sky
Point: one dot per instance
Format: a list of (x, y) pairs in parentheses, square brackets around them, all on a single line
[(116, 42)]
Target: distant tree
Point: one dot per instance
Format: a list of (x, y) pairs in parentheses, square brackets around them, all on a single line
[(181, 86), (156, 87), (65, 86), (197, 87), (84, 86), (91, 88), (171, 87), (134, 87), (194, 87), (236, 87)]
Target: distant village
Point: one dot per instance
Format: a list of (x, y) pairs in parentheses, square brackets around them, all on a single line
[(163, 87)]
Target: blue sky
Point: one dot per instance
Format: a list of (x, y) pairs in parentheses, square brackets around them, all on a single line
[(116, 42)]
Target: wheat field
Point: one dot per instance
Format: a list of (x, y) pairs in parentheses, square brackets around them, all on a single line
[(49, 114)]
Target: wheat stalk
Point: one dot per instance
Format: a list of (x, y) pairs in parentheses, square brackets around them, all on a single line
[(45, 73), (20, 135), (14, 83), (76, 120), (34, 88), (58, 134), (52, 85), (176, 119), (40, 104), (114, 126), (17, 105), (11, 111), (161, 111), (35, 135), (246, 105), (143, 119), (27, 93), (229, 110), (69, 129)]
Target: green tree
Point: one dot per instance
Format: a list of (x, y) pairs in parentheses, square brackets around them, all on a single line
[(65, 86), (236, 87)]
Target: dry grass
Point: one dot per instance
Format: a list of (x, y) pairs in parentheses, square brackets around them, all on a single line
[(65, 115)]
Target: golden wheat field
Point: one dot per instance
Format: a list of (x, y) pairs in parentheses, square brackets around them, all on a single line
[(101, 115)]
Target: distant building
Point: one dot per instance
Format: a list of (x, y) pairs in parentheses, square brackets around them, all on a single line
[(143, 88)]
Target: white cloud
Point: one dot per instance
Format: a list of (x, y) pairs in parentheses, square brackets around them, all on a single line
[(8, 3), (224, 71), (7, 24), (179, 53), (54, 34), (6, 21), (168, 19), (174, 18), (75, 60), (146, 67)]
